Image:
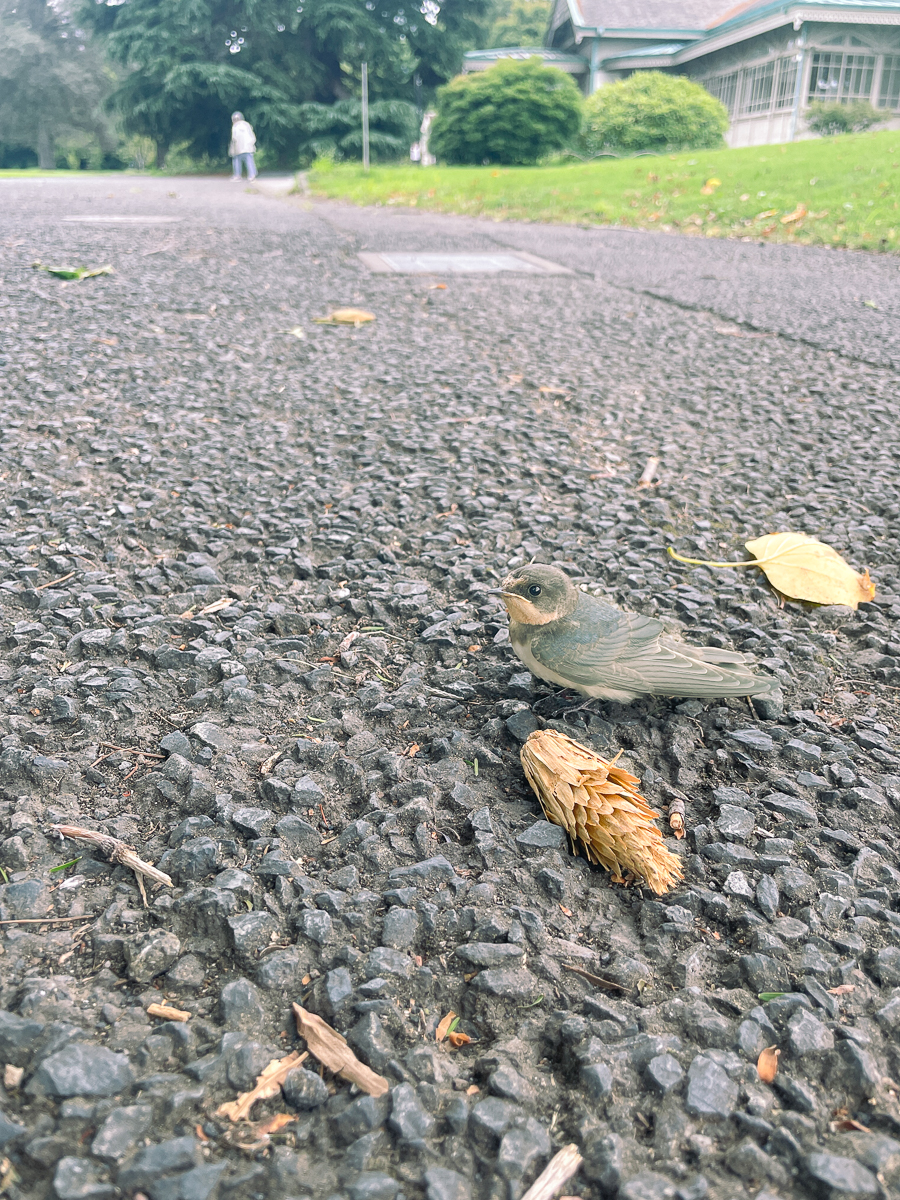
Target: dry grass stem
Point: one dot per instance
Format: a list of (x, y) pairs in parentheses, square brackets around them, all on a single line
[(599, 806)]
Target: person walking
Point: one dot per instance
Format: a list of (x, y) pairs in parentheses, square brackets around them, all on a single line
[(243, 144)]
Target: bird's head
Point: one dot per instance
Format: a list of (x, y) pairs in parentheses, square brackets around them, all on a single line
[(535, 595)]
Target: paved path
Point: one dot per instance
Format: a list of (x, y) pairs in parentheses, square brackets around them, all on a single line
[(839, 300), (231, 531)]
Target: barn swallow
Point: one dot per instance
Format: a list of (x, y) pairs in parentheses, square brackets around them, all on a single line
[(573, 639)]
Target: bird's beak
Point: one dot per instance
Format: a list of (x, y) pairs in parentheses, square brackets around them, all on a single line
[(498, 592)]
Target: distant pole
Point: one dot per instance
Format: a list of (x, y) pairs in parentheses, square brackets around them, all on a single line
[(365, 114)]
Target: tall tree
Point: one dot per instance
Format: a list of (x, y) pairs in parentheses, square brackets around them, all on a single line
[(191, 62), (519, 23), (52, 82)]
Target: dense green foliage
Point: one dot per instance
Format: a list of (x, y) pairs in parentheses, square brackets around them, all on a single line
[(52, 85), (519, 23), (830, 119), (652, 111), (191, 64), (335, 130), (514, 112)]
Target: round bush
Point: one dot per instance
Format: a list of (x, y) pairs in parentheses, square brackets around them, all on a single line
[(512, 113), (832, 118), (652, 111)]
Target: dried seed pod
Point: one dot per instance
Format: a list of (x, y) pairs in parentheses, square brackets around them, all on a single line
[(599, 806)]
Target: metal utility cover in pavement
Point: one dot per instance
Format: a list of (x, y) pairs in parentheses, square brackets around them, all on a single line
[(471, 262), (100, 220)]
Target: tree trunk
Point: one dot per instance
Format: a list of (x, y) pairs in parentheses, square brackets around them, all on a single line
[(46, 157), (162, 149)]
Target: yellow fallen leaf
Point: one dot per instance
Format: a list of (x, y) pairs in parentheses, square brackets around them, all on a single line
[(458, 1039), (797, 215), (346, 316), (801, 568), (767, 1064)]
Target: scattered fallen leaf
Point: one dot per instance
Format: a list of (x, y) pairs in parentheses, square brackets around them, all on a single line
[(801, 568), (770, 212), (444, 1026), (797, 215), (842, 989), (437, 287), (298, 332), (9, 1176), (550, 391), (599, 806), (168, 1013), (848, 1124), (648, 474), (12, 1076), (306, 980), (565, 911), (333, 1052), (473, 1090), (765, 997), (676, 816), (198, 1129), (73, 272), (273, 1124), (457, 1039), (267, 1085), (346, 316), (710, 186), (767, 1064)]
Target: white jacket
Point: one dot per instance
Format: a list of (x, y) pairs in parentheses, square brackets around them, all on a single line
[(243, 139)]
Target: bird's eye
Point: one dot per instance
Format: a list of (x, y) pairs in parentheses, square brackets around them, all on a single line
[(534, 590)]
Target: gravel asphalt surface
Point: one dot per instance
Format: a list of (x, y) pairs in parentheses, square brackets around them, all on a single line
[(246, 628)]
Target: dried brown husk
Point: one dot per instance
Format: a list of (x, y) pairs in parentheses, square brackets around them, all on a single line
[(599, 806)]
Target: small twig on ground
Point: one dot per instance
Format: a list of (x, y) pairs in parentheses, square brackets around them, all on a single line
[(561, 1167), (132, 750), (117, 852), (168, 1013), (600, 982), (62, 579)]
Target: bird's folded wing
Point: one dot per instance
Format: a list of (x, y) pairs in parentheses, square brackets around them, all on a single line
[(589, 653), (634, 652)]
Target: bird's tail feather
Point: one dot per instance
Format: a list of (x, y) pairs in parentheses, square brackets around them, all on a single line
[(702, 672)]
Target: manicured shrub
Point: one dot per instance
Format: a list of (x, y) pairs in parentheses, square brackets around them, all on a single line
[(831, 118), (515, 112), (652, 111)]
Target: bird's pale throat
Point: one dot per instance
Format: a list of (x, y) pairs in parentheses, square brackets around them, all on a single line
[(524, 611)]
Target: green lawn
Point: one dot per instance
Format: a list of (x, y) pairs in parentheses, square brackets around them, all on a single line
[(841, 191)]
